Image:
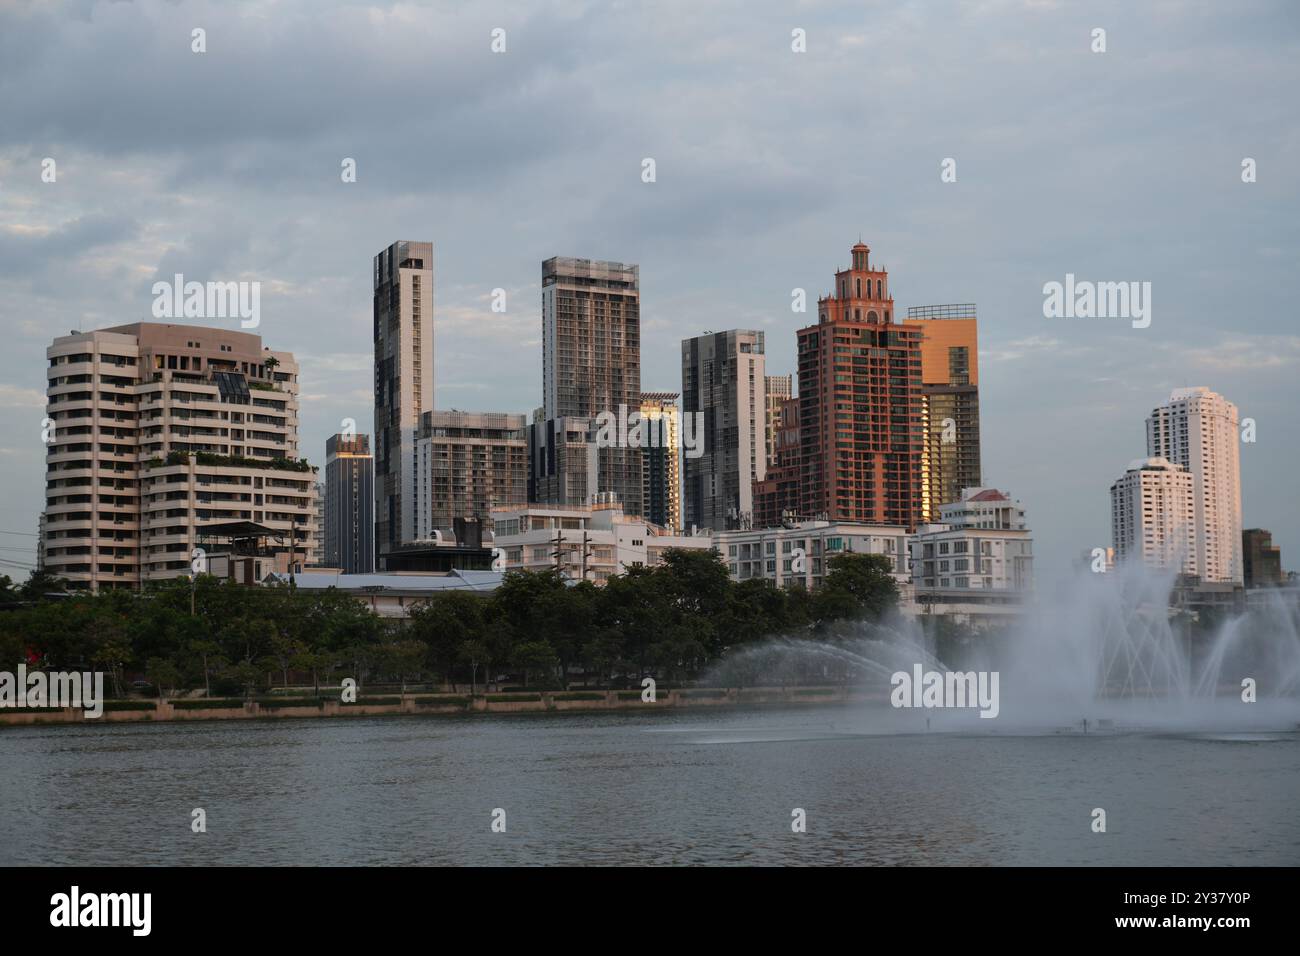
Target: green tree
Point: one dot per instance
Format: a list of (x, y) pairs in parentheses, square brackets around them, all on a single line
[(163, 674), (856, 585), (536, 657)]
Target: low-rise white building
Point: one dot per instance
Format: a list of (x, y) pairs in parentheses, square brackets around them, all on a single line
[(585, 543), (798, 554), (984, 508), (391, 594), (971, 559)]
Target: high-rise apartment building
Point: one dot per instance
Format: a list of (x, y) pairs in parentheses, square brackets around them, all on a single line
[(661, 459), (779, 390), (1198, 429), (861, 427), (724, 384), (591, 365), (316, 553), (468, 463), (349, 504), (158, 432), (1152, 517), (562, 462), (403, 337), (777, 498), (950, 411)]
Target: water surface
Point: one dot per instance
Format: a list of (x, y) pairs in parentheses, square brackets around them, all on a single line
[(673, 788)]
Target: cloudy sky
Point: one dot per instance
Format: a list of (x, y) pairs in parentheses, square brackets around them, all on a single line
[(1122, 165)]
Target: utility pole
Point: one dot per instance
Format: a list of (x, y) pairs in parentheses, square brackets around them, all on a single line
[(559, 547), (586, 538)]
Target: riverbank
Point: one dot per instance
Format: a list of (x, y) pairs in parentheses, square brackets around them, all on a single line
[(116, 711)]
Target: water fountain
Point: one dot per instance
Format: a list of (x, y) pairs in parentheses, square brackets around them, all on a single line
[(1106, 650)]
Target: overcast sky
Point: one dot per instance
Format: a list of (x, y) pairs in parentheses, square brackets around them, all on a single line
[(1122, 165)]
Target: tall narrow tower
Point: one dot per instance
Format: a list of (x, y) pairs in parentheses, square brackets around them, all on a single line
[(349, 504), (860, 404), (1198, 429), (403, 277), (725, 386), (949, 402)]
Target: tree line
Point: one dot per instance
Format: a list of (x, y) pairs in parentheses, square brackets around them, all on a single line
[(672, 622)]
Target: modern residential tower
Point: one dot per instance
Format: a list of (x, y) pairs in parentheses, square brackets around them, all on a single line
[(1198, 429), (468, 463), (403, 338), (1152, 517), (349, 504), (662, 452), (950, 406), (779, 390), (591, 365), (724, 381)]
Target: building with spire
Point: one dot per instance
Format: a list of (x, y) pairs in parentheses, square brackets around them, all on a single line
[(861, 426)]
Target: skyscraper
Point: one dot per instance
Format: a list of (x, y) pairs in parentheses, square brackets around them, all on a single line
[(779, 390), (349, 504), (950, 407), (662, 454), (1198, 429), (860, 404), (724, 381), (1152, 518), (403, 337), (159, 432), (591, 366)]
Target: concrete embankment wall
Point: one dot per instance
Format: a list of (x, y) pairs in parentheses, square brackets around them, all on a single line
[(519, 703)]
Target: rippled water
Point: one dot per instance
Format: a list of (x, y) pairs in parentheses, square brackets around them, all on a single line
[(674, 788)]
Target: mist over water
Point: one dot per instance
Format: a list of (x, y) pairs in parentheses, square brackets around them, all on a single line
[(1105, 649)]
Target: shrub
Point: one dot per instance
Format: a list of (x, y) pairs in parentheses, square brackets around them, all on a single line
[(208, 703), (513, 698), (273, 703), (374, 700), (661, 693)]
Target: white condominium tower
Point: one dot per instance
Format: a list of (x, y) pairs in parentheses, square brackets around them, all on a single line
[(1198, 429), (1152, 519), (160, 433)]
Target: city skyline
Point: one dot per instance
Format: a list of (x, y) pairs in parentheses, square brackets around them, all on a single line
[(721, 239)]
